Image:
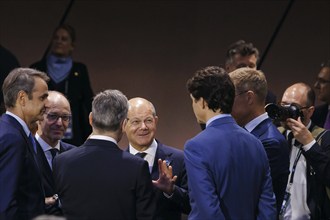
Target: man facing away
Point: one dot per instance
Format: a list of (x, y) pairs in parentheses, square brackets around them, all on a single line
[(21, 193), (51, 130), (307, 198), (249, 112), (166, 164), (98, 180), (227, 167)]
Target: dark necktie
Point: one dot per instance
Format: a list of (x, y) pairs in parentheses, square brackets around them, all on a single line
[(33, 142), (141, 154), (290, 138), (53, 151)]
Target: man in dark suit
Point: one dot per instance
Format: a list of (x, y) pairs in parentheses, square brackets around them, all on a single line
[(227, 167), (249, 112), (51, 129), (306, 185), (21, 192), (166, 164), (98, 180), (321, 116)]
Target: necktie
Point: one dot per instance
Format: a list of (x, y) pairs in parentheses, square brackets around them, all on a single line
[(327, 122), (53, 152), (141, 154), (33, 142)]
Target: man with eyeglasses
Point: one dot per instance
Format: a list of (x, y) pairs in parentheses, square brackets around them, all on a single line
[(249, 112), (306, 196), (166, 164), (321, 116), (50, 132)]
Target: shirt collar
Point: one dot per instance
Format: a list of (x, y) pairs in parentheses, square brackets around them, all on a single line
[(253, 123), (216, 117), (103, 137), (45, 146), (150, 151), (24, 125)]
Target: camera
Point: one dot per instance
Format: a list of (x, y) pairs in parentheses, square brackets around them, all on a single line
[(281, 113)]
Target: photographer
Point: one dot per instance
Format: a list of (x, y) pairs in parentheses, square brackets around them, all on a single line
[(306, 196)]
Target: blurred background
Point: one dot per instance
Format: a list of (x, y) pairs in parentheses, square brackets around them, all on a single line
[(150, 48)]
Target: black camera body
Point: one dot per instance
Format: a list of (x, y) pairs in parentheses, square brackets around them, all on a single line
[(281, 113)]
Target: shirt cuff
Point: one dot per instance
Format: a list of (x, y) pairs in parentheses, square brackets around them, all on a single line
[(309, 145)]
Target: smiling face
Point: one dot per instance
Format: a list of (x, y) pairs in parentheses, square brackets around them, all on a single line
[(56, 118), (141, 123)]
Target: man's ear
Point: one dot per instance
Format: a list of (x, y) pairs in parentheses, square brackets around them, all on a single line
[(310, 111), (123, 125), (250, 97), (22, 98), (90, 118)]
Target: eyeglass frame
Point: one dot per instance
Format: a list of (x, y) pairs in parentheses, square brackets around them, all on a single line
[(64, 118)]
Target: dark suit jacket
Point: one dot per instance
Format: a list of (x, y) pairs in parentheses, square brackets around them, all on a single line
[(99, 181), (228, 174), (320, 115), (317, 200), (171, 208), (21, 192), (76, 87), (277, 150), (47, 175)]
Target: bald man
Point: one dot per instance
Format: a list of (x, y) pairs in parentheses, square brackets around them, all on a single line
[(50, 132), (309, 158), (166, 164)]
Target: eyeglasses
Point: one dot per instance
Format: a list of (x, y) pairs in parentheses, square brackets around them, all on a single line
[(137, 122), (322, 81), (54, 117)]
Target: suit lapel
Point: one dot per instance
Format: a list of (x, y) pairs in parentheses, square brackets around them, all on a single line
[(261, 128), (160, 154)]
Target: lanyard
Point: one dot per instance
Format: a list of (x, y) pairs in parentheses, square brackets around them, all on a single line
[(294, 166)]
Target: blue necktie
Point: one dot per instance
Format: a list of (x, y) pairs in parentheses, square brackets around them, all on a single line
[(33, 142), (141, 154)]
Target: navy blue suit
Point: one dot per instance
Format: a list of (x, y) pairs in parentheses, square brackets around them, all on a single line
[(47, 175), (21, 191), (171, 208), (277, 150), (228, 174), (100, 181)]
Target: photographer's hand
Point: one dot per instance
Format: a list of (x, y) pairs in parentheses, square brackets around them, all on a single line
[(300, 131)]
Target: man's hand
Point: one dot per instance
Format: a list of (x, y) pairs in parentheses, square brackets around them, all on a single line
[(300, 131), (166, 179)]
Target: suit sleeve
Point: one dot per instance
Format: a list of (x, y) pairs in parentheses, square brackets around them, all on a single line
[(202, 190), (145, 199), (319, 157), (11, 157), (266, 205)]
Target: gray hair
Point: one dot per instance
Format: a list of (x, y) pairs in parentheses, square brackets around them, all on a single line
[(109, 109), (20, 79)]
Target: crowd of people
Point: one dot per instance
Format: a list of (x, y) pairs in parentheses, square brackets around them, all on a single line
[(58, 143)]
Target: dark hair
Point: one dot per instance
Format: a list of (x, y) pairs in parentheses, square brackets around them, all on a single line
[(20, 79), (213, 84), (326, 64), (69, 29), (242, 48)]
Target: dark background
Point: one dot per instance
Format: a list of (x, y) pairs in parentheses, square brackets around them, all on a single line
[(150, 48)]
